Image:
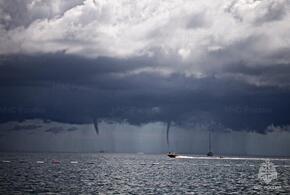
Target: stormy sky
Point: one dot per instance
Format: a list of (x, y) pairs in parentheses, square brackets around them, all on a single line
[(129, 68)]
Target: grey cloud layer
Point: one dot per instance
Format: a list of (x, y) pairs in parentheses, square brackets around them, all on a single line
[(16, 13), (192, 37), (145, 61)]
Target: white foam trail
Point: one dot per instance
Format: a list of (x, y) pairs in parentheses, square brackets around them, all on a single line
[(39, 162), (6, 161), (186, 157), (74, 162), (226, 158)]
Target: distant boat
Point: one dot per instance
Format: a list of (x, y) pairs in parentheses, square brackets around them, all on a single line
[(172, 155)]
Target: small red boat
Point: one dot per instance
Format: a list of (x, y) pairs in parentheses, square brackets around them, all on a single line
[(55, 162)]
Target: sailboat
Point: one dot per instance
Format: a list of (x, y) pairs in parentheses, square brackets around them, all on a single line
[(210, 153)]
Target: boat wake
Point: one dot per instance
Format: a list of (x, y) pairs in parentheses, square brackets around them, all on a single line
[(225, 158)]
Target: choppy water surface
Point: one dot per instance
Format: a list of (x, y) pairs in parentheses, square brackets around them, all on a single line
[(135, 174)]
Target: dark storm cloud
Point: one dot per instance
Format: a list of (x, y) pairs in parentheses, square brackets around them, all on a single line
[(25, 127), (77, 90), (59, 129), (271, 75), (178, 62), (63, 68)]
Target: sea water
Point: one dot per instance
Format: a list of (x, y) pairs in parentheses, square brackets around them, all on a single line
[(97, 173)]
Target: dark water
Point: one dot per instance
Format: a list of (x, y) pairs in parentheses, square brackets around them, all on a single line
[(134, 174)]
